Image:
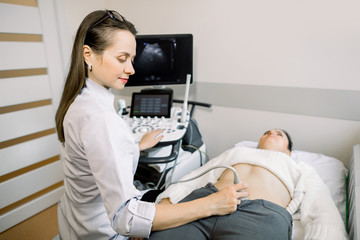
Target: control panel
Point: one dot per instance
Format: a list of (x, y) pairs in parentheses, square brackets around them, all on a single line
[(173, 127), (152, 109)]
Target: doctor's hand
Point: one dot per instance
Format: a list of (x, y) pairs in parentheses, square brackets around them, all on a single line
[(150, 139), (227, 199)]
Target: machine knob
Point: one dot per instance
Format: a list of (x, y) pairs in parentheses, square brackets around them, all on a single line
[(143, 129)]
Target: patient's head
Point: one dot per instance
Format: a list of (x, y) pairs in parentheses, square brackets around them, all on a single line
[(277, 140)]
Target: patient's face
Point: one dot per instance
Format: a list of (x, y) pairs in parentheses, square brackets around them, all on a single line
[(275, 140)]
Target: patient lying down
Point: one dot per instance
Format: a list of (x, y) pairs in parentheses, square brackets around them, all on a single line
[(277, 188)]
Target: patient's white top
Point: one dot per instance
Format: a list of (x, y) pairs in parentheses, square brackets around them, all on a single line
[(100, 157), (318, 213), (276, 162)]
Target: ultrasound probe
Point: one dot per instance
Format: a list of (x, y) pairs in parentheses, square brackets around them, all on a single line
[(236, 176)]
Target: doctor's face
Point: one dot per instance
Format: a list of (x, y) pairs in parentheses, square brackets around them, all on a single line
[(275, 140), (113, 67)]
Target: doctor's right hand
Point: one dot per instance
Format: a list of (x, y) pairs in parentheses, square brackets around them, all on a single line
[(150, 139), (227, 199)]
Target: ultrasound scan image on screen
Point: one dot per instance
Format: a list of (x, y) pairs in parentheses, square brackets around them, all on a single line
[(156, 58), (163, 59)]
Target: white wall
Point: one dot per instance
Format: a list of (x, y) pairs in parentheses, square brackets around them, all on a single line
[(296, 44), (328, 136), (278, 43)]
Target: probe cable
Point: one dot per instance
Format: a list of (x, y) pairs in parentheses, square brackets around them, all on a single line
[(236, 176)]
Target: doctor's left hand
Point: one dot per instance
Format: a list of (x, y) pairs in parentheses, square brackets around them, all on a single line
[(150, 139)]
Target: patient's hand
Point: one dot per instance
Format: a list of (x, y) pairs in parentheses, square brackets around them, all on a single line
[(226, 200)]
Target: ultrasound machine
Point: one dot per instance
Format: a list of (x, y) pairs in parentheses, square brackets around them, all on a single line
[(163, 60)]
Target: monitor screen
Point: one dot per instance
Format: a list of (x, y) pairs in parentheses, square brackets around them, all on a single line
[(151, 104), (163, 59)]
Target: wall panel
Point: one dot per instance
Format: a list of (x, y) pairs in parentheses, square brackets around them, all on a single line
[(26, 122), (29, 209), (24, 52), (27, 153), (30, 183), (31, 173), (19, 19), (24, 89)]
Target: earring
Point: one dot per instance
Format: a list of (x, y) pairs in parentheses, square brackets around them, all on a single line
[(90, 67)]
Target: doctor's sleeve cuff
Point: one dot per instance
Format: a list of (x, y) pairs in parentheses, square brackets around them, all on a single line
[(136, 219), (143, 216)]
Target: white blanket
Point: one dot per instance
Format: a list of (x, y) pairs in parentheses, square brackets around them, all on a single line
[(318, 214)]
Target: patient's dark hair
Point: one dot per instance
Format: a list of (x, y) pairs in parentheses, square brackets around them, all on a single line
[(289, 140)]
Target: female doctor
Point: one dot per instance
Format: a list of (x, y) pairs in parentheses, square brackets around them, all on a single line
[(99, 153)]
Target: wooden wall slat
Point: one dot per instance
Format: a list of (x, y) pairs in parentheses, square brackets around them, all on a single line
[(27, 169), (22, 72), (19, 37), (26, 138), (30, 3), (30, 198), (23, 106)]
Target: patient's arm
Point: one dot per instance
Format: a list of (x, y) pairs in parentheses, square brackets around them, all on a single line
[(165, 201), (222, 202)]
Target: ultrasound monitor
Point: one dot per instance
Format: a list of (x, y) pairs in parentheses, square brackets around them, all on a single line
[(163, 59)]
